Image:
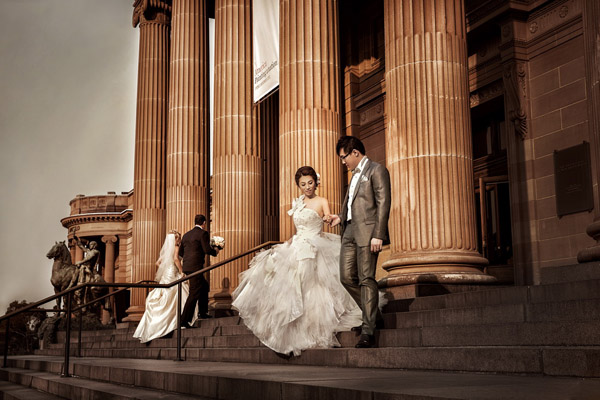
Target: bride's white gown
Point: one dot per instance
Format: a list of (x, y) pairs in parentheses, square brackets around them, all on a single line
[(160, 316), (291, 296)]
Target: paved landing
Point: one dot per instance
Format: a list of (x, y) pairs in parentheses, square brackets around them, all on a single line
[(379, 383)]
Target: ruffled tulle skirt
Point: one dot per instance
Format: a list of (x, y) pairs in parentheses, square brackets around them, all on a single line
[(291, 296)]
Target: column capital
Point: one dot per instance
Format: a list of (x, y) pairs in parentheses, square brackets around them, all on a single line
[(109, 239), (151, 12)]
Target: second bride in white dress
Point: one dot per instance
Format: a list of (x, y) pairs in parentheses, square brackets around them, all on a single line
[(160, 316), (291, 296)]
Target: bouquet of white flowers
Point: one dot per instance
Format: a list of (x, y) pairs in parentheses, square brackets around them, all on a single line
[(218, 242)]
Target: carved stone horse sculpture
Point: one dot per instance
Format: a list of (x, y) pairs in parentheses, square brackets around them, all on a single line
[(65, 274)]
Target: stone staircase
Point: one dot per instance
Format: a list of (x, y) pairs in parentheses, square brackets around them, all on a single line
[(481, 343)]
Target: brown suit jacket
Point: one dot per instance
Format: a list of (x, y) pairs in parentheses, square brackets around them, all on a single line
[(371, 204)]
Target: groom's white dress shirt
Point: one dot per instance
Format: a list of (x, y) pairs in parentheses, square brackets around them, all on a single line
[(354, 183)]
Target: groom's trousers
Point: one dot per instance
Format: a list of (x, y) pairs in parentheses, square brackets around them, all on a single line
[(357, 274), (199, 288)]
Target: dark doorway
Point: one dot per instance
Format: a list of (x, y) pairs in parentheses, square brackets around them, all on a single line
[(490, 170)]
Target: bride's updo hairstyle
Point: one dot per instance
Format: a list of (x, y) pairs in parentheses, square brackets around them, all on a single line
[(177, 235), (306, 171)]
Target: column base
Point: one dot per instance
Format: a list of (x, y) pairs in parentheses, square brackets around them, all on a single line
[(413, 291), (437, 277), (436, 267), (591, 253), (220, 305), (134, 314)]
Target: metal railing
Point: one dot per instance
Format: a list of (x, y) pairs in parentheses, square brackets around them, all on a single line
[(68, 296)]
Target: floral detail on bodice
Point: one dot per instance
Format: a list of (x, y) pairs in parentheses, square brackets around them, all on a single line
[(308, 225)]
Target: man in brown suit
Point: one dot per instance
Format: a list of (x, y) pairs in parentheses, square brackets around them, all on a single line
[(364, 220)]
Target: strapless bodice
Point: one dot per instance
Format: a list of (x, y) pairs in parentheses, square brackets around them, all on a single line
[(308, 223)]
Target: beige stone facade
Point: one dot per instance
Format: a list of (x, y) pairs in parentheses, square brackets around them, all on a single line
[(465, 102)]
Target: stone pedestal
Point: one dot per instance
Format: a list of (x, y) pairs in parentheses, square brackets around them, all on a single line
[(309, 101), (188, 138), (237, 168), (151, 127), (591, 34), (428, 146)]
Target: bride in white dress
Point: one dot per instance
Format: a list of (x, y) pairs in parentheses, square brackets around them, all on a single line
[(160, 316), (291, 296)]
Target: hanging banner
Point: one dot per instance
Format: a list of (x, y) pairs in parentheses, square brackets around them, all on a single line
[(265, 46)]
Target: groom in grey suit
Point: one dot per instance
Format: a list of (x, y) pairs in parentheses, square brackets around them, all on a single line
[(364, 220)]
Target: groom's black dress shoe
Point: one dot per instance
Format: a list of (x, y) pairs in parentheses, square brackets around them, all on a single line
[(365, 341), (185, 325)]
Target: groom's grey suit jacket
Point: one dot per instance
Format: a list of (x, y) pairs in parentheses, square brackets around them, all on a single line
[(371, 204)]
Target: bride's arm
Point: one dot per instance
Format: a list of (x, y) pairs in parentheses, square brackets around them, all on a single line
[(326, 211), (176, 259)]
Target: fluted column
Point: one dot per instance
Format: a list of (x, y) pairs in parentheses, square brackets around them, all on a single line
[(428, 145), (591, 35), (309, 100), (187, 138), (236, 164), (78, 253), (109, 272), (153, 17)]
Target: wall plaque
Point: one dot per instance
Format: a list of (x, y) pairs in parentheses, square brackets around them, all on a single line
[(573, 180)]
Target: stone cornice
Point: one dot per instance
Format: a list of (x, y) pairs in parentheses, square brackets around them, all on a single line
[(493, 9), (124, 216), (485, 93)]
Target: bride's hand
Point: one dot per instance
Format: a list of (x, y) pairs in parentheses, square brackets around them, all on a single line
[(334, 220)]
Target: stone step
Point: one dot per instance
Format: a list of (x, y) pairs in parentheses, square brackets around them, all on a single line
[(574, 310), (227, 330), (456, 316), (556, 292), (506, 304), (570, 273), (290, 382), (580, 361), (520, 334), (79, 388), (207, 325), (539, 333), (12, 391)]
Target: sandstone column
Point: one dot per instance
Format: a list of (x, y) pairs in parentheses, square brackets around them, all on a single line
[(591, 34), (153, 17), (309, 100), (78, 253), (187, 137), (109, 272), (428, 145), (237, 179)]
